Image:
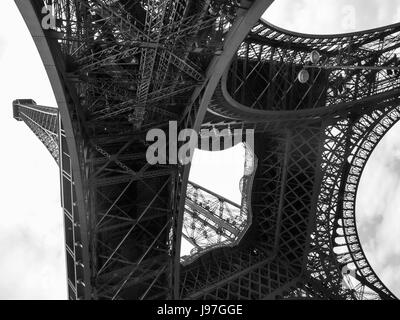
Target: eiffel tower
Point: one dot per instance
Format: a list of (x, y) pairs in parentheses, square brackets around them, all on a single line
[(319, 105)]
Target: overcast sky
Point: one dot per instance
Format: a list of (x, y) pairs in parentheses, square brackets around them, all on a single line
[(31, 232), (378, 197)]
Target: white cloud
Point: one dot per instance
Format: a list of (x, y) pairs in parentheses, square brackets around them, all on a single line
[(377, 209), (219, 171), (31, 229), (331, 16)]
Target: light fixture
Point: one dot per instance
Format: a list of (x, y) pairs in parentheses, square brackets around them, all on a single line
[(315, 57), (303, 76)]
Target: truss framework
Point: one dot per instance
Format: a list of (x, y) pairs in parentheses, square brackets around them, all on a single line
[(211, 221), (129, 66)]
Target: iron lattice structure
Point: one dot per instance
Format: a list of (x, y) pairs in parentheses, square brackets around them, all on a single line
[(211, 221), (120, 68)]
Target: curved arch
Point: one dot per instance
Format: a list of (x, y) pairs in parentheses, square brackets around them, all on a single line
[(354, 143), (383, 122), (264, 23), (55, 63), (229, 108), (202, 97), (218, 209), (51, 56), (329, 90), (212, 86)]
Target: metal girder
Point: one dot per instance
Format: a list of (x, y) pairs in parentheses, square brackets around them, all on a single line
[(195, 112), (280, 91), (46, 123), (43, 121), (124, 219)]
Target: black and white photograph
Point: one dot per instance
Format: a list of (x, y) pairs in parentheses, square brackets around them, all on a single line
[(217, 150)]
